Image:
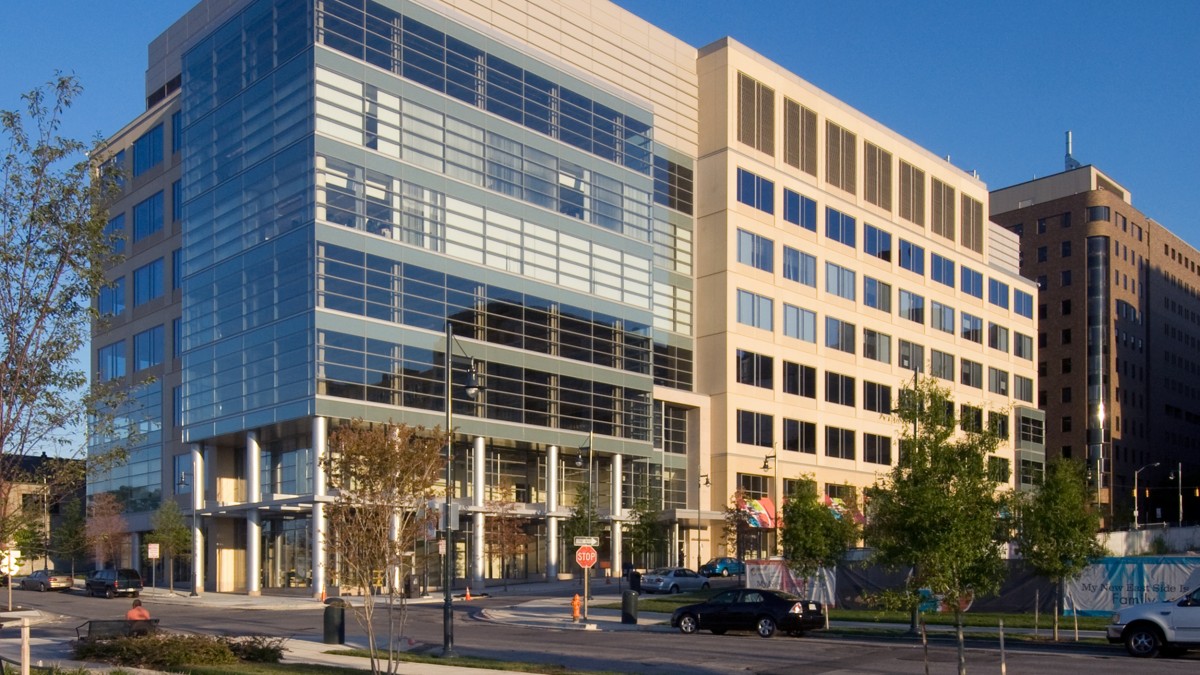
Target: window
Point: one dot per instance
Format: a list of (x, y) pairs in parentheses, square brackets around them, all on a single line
[(799, 266), (1023, 346), (1066, 423), (755, 310), (877, 449), (799, 323), (912, 257), (941, 269), (1065, 307), (972, 374), (148, 348), (799, 379), (114, 233), (1032, 472), (111, 301), (1023, 388), (176, 130), (839, 335), (941, 365), (998, 293), (998, 424), (839, 227), (799, 210), (755, 369), (799, 436), (177, 269), (754, 428), (972, 282), (840, 281), (877, 346), (1066, 249), (877, 176), (1032, 430), (148, 151), (877, 294), (753, 487), (912, 193), (839, 389), (1066, 394), (177, 337), (998, 469), (1023, 303), (998, 337), (110, 360), (176, 201), (1066, 336), (877, 397), (1098, 213), (943, 317), (756, 191), (1041, 254), (912, 356), (756, 114), (943, 209), (674, 185), (799, 137), (912, 306), (972, 328), (877, 242), (148, 282), (839, 443), (148, 217), (998, 381), (841, 167), (1066, 366), (756, 251), (972, 224), (1064, 278)]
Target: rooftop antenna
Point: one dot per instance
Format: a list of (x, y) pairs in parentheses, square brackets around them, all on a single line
[(1070, 162)]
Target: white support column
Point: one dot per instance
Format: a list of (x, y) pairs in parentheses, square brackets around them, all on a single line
[(319, 434), (551, 519), (615, 506), (253, 526), (197, 531), (477, 458)]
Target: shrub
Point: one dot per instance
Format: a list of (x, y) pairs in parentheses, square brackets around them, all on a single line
[(164, 651), (257, 648)]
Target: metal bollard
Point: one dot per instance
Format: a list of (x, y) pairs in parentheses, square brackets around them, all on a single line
[(335, 622), (629, 607)]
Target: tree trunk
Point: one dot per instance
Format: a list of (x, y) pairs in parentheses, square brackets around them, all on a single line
[(1057, 605), (962, 654)]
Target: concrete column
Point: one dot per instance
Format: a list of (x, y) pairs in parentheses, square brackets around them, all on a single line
[(197, 530), (477, 458), (319, 435), (551, 519), (253, 527), (616, 514), (135, 559)]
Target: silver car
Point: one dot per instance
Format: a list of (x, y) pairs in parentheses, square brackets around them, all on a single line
[(48, 580), (672, 580)]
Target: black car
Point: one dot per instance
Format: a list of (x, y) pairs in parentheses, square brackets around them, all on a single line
[(112, 582), (761, 610)]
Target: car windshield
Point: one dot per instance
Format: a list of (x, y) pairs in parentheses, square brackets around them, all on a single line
[(713, 563)]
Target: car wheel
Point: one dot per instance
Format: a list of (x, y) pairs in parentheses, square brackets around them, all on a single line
[(725, 572), (765, 626), (688, 624), (1143, 641), (674, 589), (108, 593), (704, 586)]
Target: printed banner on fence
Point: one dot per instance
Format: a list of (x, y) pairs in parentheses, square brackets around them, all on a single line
[(1113, 583), (776, 574)]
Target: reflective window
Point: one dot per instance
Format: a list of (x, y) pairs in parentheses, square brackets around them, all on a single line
[(148, 151), (799, 323), (756, 251), (148, 282), (840, 227), (799, 266), (148, 348), (754, 190), (799, 210), (148, 216)]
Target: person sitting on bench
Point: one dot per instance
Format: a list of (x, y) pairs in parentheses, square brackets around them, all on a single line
[(137, 612)]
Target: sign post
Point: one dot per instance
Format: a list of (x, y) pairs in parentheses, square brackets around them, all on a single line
[(10, 564), (586, 557), (152, 554)]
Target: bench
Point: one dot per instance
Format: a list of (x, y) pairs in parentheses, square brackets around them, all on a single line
[(110, 629)]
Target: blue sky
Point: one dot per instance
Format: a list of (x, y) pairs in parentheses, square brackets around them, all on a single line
[(993, 85)]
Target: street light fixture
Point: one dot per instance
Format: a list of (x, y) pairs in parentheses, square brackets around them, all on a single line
[(706, 483), (1179, 486), (1136, 496), (774, 457), (182, 483), (472, 391)]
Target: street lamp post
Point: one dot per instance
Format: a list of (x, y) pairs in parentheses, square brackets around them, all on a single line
[(699, 484), (182, 484), (591, 509), (774, 457), (1136, 496), (472, 390), (1179, 486), (906, 361)]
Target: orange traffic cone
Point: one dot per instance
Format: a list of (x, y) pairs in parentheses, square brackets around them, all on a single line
[(468, 598), (322, 595)]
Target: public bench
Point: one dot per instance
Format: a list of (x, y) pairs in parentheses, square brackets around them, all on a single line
[(111, 629)]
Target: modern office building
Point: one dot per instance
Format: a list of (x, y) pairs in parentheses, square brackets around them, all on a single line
[(1119, 311), (321, 192)]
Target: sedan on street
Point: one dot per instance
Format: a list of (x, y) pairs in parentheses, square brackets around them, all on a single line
[(48, 580), (761, 610), (672, 580), (723, 567)]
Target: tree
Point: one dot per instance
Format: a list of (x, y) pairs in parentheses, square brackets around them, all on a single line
[(69, 536), (172, 533), (938, 511), (383, 476), (106, 528), (646, 531), (506, 535), (584, 520), (1057, 525), (53, 253), (814, 536)]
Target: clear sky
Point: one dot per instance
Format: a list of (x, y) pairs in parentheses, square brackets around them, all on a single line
[(994, 85)]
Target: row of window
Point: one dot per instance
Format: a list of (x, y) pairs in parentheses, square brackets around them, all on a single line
[(147, 286), (148, 350)]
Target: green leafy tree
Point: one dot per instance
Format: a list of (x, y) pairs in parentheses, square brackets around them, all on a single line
[(173, 535), (814, 537), (938, 511), (1057, 525), (382, 475), (646, 531), (584, 520), (736, 524), (68, 538)]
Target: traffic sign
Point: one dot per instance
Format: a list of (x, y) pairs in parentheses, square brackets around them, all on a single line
[(152, 551), (587, 541), (586, 556)]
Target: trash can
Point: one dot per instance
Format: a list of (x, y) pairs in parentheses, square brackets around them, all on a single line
[(335, 621), (629, 612)]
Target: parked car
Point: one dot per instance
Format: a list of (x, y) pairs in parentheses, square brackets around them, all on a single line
[(112, 582), (761, 610), (723, 567), (672, 580), (1154, 628), (48, 580)]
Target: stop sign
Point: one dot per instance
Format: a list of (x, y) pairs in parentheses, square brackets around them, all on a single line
[(586, 556)]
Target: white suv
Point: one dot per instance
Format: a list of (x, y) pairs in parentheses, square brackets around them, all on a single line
[(1156, 627)]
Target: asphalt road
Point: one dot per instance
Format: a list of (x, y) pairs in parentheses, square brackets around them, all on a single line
[(624, 652)]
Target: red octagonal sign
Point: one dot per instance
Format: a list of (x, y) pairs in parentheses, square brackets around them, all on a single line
[(586, 556)]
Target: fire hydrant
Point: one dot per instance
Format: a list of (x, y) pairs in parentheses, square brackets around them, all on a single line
[(576, 603)]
